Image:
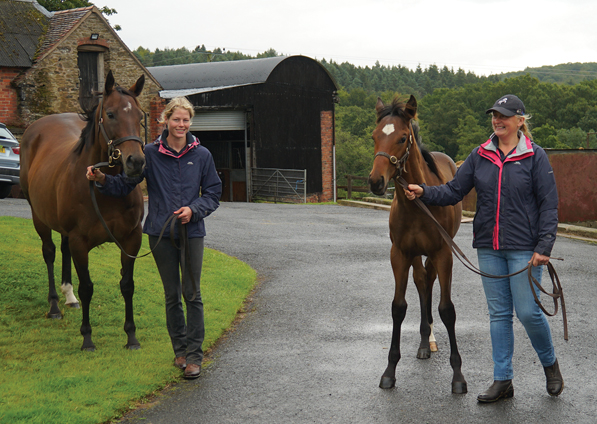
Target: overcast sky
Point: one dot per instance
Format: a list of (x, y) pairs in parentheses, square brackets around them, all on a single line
[(482, 36)]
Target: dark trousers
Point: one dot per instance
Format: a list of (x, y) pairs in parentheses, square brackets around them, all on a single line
[(186, 338)]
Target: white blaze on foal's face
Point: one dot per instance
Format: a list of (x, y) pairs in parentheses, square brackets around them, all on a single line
[(128, 107), (388, 129)]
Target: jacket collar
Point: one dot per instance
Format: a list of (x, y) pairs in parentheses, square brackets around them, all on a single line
[(523, 148), (162, 142)]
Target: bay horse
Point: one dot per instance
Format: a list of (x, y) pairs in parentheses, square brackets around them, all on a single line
[(55, 153), (398, 152)]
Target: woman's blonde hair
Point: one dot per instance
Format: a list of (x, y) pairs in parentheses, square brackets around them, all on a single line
[(526, 128), (177, 102)]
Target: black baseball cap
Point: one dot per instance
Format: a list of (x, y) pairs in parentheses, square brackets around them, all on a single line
[(508, 105)]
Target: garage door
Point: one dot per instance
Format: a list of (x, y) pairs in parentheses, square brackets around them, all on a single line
[(219, 121)]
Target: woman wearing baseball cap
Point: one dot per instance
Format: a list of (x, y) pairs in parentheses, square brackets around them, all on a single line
[(515, 224)]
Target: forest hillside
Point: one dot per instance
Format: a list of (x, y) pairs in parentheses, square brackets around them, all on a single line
[(561, 100)]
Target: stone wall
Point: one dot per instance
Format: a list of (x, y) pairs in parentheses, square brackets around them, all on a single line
[(52, 85)]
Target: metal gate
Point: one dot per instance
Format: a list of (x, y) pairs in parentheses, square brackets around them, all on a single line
[(279, 185)]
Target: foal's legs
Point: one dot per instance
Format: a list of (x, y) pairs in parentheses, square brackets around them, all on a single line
[(431, 276), (443, 263), (424, 288), (48, 249), (400, 266), (67, 281)]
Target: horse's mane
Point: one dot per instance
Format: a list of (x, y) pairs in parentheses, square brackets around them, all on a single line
[(88, 115), (396, 108)]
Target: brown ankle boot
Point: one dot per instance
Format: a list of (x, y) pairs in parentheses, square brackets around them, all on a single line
[(555, 382), (498, 390)]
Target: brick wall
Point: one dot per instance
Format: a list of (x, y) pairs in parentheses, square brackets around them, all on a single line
[(8, 97), (327, 156), (155, 112)]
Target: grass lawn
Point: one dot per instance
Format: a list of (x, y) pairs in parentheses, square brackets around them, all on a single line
[(46, 378)]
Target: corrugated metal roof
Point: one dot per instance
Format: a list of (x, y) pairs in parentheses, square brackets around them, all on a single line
[(22, 23), (215, 75)]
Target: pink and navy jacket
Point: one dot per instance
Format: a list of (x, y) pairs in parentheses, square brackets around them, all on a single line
[(517, 199), (174, 179)]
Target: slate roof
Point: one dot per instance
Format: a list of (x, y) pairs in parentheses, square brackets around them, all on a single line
[(195, 78), (22, 23), (61, 23)]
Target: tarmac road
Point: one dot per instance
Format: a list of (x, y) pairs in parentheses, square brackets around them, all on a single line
[(315, 339)]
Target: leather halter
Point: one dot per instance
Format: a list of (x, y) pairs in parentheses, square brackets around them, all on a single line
[(114, 154), (399, 163)]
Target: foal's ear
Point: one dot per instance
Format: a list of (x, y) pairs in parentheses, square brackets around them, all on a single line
[(109, 83), (138, 86), (379, 106), (411, 107)]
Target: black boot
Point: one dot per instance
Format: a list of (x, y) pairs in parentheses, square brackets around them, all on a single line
[(498, 390), (555, 382)]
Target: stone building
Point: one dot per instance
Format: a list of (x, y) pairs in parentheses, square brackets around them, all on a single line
[(52, 62)]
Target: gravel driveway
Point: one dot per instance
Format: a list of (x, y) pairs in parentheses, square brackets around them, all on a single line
[(315, 339)]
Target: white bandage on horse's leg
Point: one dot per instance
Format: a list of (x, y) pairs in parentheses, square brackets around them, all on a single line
[(432, 342), (67, 291)]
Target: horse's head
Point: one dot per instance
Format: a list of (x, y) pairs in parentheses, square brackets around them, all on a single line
[(393, 138), (119, 119)]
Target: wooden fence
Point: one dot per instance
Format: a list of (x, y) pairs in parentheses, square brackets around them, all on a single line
[(350, 187)]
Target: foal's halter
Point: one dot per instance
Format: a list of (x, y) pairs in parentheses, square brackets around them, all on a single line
[(114, 154), (399, 163)]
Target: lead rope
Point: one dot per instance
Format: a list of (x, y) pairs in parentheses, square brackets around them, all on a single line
[(558, 292), (171, 221)]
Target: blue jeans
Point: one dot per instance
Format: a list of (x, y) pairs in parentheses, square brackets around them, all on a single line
[(186, 337), (504, 295)]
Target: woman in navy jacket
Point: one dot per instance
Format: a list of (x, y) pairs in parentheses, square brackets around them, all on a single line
[(181, 179), (515, 224)]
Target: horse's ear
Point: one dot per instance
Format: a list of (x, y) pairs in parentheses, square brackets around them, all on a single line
[(109, 83), (379, 105), (138, 86), (411, 107)]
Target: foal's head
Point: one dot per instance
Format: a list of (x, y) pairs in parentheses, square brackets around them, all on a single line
[(393, 138)]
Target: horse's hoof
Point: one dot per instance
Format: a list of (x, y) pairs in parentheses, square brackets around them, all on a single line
[(88, 345), (387, 382), (459, 387), (132, 347), (423, 353), (433, 346), (54, 315), (74, 305)]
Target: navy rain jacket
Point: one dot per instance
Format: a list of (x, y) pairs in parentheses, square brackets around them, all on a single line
[(517, 200), (174, 180)]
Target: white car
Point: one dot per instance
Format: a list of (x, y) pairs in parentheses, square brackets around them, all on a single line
[(10, 161)]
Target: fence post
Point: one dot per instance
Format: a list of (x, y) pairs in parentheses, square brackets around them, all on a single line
[(349, 186)]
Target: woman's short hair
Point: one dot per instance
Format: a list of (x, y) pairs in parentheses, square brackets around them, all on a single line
[(177, 102)]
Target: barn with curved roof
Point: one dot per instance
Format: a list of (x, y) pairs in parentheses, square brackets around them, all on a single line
[(269, 124)]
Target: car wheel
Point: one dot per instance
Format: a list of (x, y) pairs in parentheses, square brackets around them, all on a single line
[(5, 190)]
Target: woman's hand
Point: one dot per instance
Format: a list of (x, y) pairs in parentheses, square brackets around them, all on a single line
[(539, 259), (413, 191), (184, 214), (95, 175)]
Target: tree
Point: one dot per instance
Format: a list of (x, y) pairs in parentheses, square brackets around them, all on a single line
[(469, 134), (54, 5)]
